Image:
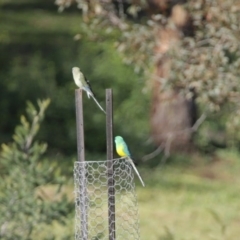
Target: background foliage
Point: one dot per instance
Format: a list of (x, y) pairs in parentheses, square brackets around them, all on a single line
[(206, 57), (39, 46)]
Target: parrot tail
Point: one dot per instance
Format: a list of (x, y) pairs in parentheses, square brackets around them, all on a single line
[(98, 103), (136, 171)]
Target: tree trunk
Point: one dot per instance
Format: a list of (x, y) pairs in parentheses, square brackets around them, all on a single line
[(172, 115)]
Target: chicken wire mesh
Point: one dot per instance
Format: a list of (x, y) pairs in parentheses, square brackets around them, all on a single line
[(91, 201)]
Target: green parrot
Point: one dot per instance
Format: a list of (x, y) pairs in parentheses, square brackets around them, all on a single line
[(122, 150), (84, 84)]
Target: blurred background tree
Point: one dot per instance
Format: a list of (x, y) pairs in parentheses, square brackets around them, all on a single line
[(188, 52)]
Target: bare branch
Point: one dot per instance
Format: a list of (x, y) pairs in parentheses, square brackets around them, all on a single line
[(152, 154), (199, 122), (170, 136)]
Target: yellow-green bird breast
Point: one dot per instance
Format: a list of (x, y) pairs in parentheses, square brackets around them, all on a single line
[(120, 150)]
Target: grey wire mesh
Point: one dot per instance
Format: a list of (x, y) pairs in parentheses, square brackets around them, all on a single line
[(91, 201)]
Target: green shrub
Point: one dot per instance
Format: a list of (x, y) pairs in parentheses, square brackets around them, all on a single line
[(24, 209)]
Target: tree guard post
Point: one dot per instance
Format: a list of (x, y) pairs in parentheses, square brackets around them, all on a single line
[(110, 167), (81, 158)]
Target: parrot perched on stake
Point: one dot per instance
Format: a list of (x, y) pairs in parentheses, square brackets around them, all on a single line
[(123, 151), (84, 84)]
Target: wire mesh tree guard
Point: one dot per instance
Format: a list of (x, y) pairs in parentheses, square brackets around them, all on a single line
[(105, 200), (94, 176)]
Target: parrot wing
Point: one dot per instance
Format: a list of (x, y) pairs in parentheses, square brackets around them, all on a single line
[(125, 148), (89, 91)]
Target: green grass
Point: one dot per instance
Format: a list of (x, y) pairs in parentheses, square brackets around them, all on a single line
[(200, 201), (25, 27)]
